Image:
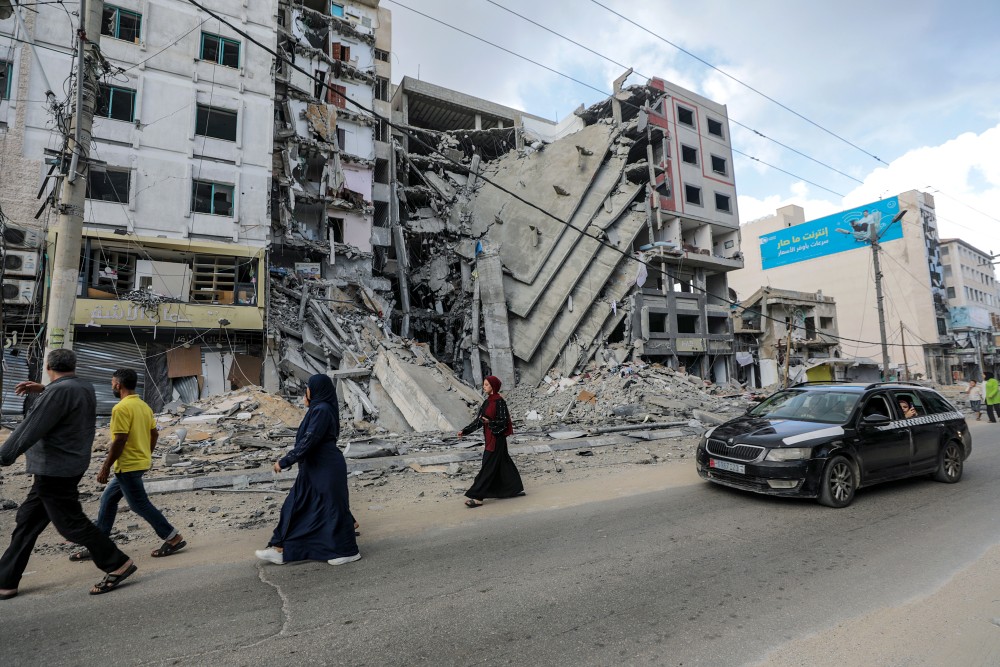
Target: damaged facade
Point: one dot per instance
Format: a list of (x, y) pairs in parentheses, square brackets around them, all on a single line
[(495, 282), (784, 336), (330, 191)]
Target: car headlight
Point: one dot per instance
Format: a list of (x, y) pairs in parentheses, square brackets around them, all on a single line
[(789, 454)]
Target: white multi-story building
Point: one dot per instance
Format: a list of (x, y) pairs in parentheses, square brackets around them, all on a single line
[(974, 307), (175, 223)]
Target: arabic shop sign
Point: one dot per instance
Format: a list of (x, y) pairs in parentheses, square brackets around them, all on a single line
[(108, 313), (847, 230)]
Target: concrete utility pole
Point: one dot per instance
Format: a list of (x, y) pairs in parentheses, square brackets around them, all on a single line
[(876, 238), (902, 343), (69, 229)]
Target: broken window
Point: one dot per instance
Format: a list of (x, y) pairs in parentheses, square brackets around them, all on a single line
[(715, 127), (6, 74), (810, 328), (336, 95), (340, 51), (336, 226), (341, 138), (121, 24), (319, 84), (381, 130), (689, 154), (658, 323), (687, 324), (719, 165), (116, 103), (718, 325), (826, 323), (212, 198), (109, 185), (685, 116), (382, 88), (216, 123), (381, 174), (692, 194), (382, 55), (220, 50), (722, 203)]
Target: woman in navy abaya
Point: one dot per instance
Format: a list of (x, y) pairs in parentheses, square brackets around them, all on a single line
[(316, 521)]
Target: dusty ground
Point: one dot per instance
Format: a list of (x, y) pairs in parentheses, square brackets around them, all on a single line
[(228, 524), (957, 624)]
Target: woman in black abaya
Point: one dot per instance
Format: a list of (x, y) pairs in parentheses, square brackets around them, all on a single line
[(316, 521), (498, 478)]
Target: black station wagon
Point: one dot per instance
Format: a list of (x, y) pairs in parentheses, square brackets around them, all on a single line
[(826, 440)]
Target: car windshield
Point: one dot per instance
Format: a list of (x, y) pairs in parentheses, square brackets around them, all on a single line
[(828, 407)]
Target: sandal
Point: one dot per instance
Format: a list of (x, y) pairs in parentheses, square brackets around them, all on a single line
[(472, 503), (167, 549), (112, 581), (12, 593), (81, 555)]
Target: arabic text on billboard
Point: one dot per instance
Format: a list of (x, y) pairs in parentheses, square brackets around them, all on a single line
[(835, 233)]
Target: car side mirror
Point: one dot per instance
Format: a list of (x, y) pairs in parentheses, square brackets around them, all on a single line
[(875, 420)]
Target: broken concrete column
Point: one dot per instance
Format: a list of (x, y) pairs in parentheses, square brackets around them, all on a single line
[(494, 306)]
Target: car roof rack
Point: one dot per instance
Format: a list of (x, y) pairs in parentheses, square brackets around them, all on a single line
[(908, 383), (812, 382)]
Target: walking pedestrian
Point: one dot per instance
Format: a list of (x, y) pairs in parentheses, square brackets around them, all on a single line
[(130, 456), (316, 521), (56, 437), (498, 477), (992, 393), (976, 399)]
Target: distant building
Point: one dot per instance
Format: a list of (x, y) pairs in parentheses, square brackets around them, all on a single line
[(974, 304), (832, 255)]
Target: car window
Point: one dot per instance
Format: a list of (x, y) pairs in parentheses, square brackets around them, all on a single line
[(877, 405), (936, 404), (828, 407)]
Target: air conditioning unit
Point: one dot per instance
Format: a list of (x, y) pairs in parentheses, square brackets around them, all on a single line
[(20, 263), (19, 292), (17, 237)]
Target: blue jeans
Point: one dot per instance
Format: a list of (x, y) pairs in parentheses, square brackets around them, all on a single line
[(129, 485)]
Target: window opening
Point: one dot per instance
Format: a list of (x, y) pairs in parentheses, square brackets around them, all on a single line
[(692, 194), (723, 203), (714, 127), (109, 185), (685, 116), (719, 165), (216, 123), (116, 103), (220, 50), (121, 24), (212, 198), (689, 154)]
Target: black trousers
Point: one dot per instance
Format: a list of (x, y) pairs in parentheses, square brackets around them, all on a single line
[(992, 411), (55, 500)]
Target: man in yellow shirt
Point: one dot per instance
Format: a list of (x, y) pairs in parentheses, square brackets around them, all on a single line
[(133, 439)]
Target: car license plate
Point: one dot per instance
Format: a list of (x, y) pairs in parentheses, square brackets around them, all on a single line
[(726, 465)]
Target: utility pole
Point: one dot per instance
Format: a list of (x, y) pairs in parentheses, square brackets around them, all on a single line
[(902, 343), (876, 247), (69, 230), (876, 239)]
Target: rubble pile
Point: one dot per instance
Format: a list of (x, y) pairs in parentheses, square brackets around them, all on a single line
[(630, 393)]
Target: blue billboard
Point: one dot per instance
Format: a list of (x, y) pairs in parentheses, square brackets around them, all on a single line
[(835, 233)]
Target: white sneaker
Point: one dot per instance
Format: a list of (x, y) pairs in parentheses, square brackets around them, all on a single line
[(271, 555), (344, 559)]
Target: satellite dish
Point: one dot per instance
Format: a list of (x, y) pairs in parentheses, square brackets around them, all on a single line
[(6, 10), (895, 218)]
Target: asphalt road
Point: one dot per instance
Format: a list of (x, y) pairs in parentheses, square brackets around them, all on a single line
[(695, 575)]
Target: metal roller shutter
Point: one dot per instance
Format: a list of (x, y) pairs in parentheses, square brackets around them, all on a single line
[(15, 370), (97, 361)]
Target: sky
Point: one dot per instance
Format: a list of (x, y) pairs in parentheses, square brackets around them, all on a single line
[(912, 84)]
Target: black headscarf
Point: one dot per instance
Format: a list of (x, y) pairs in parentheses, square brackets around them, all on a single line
[(322, 390)]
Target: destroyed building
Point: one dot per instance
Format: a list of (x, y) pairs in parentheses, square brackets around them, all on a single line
[(784, 336), (633, 262), (330, 194)]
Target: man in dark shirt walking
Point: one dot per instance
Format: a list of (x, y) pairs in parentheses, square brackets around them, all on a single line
[(56, 438)]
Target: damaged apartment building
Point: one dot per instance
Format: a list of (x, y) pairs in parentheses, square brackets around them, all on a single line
[(612, 235), (330, 191)]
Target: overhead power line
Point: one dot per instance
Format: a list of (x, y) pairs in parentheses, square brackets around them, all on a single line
[(603, 92), (415, 138), (740, 81), (644, 76)]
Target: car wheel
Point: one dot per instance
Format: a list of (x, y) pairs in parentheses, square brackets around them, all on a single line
[(839, 483), (950, 463)]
